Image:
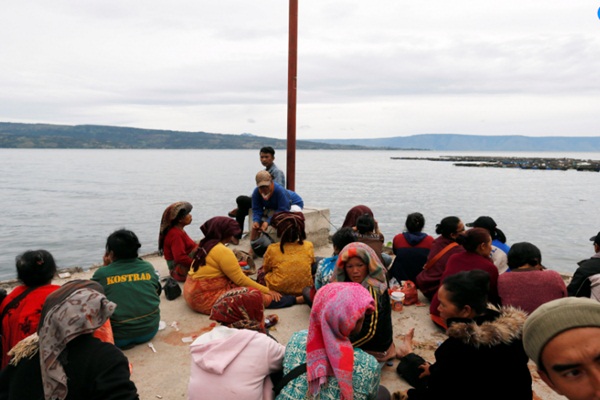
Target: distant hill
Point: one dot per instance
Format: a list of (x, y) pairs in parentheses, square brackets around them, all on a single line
[(14, 135), (478, 143)]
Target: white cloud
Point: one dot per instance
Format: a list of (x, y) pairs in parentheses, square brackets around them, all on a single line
[(365, 69)]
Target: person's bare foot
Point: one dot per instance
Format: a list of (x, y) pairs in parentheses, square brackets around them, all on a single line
[(405, 347)]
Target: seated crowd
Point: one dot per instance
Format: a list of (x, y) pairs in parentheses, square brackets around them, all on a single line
[(481, 292)]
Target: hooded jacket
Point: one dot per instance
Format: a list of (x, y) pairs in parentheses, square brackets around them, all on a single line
[(483, 358), (233, 364), (411, 250)]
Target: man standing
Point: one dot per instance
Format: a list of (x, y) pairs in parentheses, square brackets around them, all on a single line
[(267, 158), (563, 338), (580, 285)]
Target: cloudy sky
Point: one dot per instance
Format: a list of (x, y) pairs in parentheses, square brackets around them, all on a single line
[(366, 68)]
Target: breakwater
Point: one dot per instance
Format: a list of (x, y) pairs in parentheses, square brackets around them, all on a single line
[(539, 163)]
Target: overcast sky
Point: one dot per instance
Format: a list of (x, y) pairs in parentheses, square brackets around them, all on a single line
[(366, 68)]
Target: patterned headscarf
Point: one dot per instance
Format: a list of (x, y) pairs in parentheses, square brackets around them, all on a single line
[(329, 352), (77, 308), (215, 230), (168, 218), (240, 308), (375, 270), (290, 227), (354, 213)]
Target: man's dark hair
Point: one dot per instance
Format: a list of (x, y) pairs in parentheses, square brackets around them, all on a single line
[(269, 150), (123, 243), (342, 237), (468, 288)]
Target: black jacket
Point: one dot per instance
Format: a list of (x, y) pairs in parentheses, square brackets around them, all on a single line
[(580, 284), (482, 358), (95, 371)]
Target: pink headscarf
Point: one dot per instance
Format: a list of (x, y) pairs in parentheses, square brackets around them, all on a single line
[(329, 352)]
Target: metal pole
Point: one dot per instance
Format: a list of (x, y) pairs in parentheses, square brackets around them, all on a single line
[(291, 106)]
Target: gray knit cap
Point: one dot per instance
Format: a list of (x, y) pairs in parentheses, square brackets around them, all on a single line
[(555, 317)]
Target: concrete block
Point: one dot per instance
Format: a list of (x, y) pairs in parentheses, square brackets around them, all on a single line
[(316, 226)]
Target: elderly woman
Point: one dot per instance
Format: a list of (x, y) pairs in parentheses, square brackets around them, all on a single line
[(63, 360), (358, 263), (478, 245), (335, 369), (287, 264), (237, 357), (483, 357), (215, 269), (529, 285), (20, 310), (174, 242)]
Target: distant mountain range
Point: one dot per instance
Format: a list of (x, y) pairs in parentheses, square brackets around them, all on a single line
[(447, 142), (15, 135)]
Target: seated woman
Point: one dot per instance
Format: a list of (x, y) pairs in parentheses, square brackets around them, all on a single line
[(326, 266), (366, 233), (287, 264), (358, 263), (20, 310), (334, 369), (215, 269), (353, 214), (529, 285), (174, 242), (483, 357), (133, 285), (411, 249), (362, 220), (428, 280), (237, 357), (478, 245), (499, 247), (67, 362)]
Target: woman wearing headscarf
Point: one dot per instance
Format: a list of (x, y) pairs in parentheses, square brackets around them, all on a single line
[(63, 360), (354, 213), (20, 310), (335, 368), (358, 263), (287, 264), (174, 242), (237, 357), (215, 268)]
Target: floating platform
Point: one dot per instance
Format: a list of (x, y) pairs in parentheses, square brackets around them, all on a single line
[(539, 163)]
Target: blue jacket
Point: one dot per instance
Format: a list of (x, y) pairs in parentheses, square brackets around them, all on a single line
[(281, 200)]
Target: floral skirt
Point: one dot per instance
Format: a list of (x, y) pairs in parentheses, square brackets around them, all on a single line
[(201, 294)]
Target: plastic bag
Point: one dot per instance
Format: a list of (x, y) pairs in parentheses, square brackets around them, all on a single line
[(411, 296), (172, 289)]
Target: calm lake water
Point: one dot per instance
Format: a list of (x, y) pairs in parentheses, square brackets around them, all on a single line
[(69, 201)]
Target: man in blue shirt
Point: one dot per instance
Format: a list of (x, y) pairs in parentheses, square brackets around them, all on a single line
[(268, 198)]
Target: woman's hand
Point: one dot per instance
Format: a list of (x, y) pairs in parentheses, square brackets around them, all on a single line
[(425, 368), (275, 295), (264, 226)]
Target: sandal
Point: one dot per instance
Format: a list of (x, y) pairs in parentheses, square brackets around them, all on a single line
[(271, 320)]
